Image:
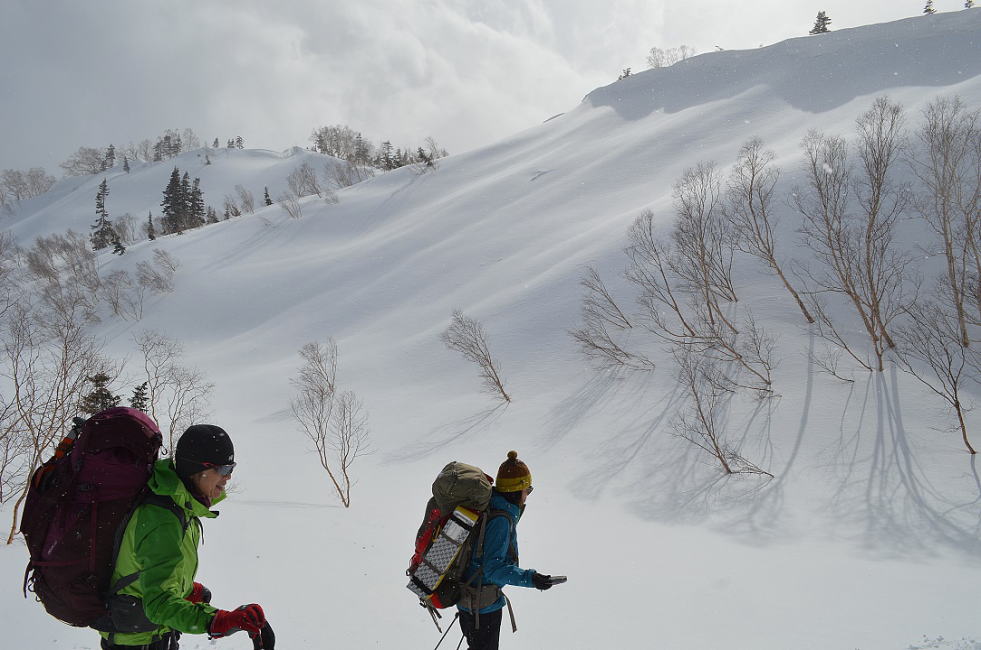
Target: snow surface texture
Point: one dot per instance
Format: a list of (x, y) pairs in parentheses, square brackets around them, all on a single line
[(866, 538)]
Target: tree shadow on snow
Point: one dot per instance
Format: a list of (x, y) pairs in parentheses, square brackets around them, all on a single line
[(447, 434), (885, 492)]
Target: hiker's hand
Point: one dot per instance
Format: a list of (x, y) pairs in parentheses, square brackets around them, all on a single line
[(199, 594), (247, 617), (541, 581), (265, 640)]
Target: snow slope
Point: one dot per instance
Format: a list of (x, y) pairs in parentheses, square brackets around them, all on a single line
[(866, 537)]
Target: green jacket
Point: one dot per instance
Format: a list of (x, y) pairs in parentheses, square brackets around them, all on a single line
[(165, 556)]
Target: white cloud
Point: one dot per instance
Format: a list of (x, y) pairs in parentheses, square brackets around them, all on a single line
[(465, 72)]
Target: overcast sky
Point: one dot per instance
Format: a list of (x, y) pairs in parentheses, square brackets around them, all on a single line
[(467, 72)]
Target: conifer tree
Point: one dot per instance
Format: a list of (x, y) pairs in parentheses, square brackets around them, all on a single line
[(171, 205), (103, 233), (150, 232), (110, 160), (928, 9), (125, 164), (266, 197), (117, 245), (140, 400), (196, 210), (185, 203), (821, 24), (212, 215), (239, 142), (214, 145), (101, 398), (207, 159), (968, 4)]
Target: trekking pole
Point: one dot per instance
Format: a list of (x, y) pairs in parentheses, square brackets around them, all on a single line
[(448, 628)]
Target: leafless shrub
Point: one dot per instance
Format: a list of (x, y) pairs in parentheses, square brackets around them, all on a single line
[(334, 422), (347, 173), (165, 260), (125, 228), (177, 395), (85, 161), (158, 279), (947, 163), (231, 207), (303, 181), (246, 200), (931, 350), (290, 202), (124, 296), (600, 314), (47, 356), (701, 424), (748, 208), (466, 336), (63, 266), (662, 58)]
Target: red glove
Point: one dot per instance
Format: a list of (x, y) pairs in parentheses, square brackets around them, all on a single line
[(199, 594), (247, 617)]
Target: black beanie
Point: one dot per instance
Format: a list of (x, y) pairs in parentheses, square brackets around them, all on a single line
[(200, 444)]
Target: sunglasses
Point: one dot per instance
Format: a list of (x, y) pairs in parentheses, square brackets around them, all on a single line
[(530, 488), (224, 470)]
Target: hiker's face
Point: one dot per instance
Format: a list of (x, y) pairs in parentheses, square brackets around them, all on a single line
[(524, 494), (210, 483)]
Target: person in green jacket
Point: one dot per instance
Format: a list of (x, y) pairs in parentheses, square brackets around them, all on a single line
[(155, 597)]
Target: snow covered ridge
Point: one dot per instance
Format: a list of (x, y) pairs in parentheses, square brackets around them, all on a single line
[(866, 537), (812, 73)]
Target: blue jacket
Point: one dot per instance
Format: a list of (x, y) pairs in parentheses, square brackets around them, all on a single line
[(499, 568)]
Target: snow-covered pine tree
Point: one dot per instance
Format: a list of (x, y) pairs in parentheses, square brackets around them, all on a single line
[(821, 24), (125, 164), (102, 231), (215, 145), (212, 216), (624, 74), (171, 205), (266, 196), (117, 245), (968, 4), (207, 159), (928, 9), (110, 160), (101, 397), (239, 142), (150, 232)]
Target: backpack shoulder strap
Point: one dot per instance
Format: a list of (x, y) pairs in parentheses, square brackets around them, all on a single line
[(153, 499), (167, 503)]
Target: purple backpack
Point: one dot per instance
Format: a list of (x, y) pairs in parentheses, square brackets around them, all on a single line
[(77, 506)]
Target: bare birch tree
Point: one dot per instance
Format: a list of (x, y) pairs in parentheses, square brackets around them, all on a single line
[(245, 199), (600, 315), (705, 383), (748, 208), (947, 163), (48, 357), (933, 353), (466, 336), (857, 252), (681, 305), (177, 395), (334, 422)]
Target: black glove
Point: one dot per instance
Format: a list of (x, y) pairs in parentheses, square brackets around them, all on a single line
[(541, 581), (265, 640)]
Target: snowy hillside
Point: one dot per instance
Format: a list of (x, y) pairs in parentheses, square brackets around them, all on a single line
[(866, 537), (70, 204)]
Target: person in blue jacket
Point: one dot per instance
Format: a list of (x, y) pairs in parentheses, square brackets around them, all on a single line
[(494, 561)]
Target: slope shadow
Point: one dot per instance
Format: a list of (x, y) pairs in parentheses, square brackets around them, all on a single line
[(812, 74)]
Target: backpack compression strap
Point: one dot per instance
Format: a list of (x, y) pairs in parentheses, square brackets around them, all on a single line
[(153, 499)]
